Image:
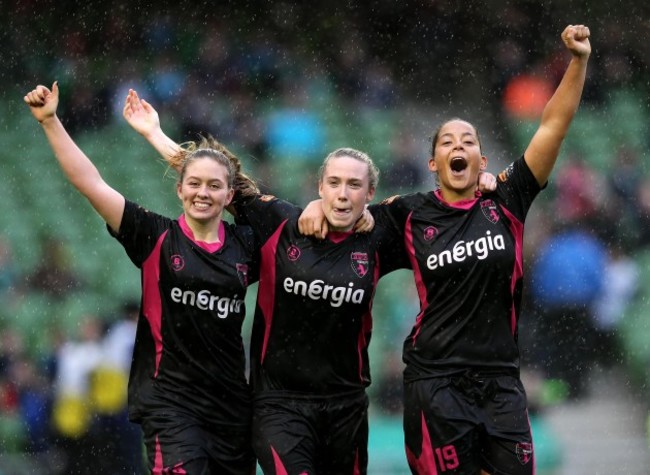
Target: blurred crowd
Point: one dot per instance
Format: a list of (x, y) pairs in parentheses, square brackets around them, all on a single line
[(281, 83)]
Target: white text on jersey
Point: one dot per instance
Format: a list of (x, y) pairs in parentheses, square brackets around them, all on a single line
[(464, 249), (317, 290), (204, 300)]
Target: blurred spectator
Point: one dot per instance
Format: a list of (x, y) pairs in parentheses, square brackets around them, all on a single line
[(622, 274), (121, 439), (72, 412), (405, 170), (295, 131), (526, 95), (566, 281), (579, 191), (54, 273)]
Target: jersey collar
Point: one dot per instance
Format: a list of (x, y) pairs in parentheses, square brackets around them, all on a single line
[(208, 246)]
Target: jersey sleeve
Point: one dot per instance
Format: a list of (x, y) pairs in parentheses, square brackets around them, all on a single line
[(391, 214), (248, 240), (139, 231), (391, 251), (518, 188), (264, 214)]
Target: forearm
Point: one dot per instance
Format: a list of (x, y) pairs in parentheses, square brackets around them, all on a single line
[(76, 166), (164, 145)]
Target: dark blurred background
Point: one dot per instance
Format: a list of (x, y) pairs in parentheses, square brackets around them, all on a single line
[(282, 84)]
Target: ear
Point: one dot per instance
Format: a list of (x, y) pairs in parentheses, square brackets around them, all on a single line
[(320, 189), (484, 162), (370, 195), (229, 197), (178, 191), (432, 165)]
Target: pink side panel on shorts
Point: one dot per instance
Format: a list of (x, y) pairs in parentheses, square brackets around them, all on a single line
[(279, 466), (425, 463), (159, 467)]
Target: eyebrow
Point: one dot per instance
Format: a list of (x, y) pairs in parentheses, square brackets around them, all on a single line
[(462, 135)]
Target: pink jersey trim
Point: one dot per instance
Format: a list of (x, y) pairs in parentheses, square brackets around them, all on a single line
[(337, 236), (266, 288), (208, 246), (462, 204), (419, 282), (151, 301), (517, 230), (366, 322)]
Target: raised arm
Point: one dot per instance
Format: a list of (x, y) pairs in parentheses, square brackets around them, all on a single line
[(144, 119), (543, 150), (76, 166)]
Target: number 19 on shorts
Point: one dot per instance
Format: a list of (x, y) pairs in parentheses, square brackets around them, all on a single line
[(446, 458)]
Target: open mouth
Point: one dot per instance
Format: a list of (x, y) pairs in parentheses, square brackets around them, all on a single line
[(458, 164)]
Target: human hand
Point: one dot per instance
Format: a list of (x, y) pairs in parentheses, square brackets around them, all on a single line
[(312, 221), (486, 182), (42, 102), (140, 114), (576, 39), (365, 223)]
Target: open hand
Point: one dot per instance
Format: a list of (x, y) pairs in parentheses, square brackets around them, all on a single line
[(140, 114)]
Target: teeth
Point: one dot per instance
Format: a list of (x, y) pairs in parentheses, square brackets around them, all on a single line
[(201, 205)]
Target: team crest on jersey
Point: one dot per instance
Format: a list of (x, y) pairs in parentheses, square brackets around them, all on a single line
[(266, 198), (177, 262), (242, 273), (293, 252), (524, 452), (489, 209), (360, 263), (430, 232)]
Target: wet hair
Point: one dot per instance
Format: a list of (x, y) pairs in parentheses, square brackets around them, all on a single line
[(373, 171), (436, 133), (209, 147)]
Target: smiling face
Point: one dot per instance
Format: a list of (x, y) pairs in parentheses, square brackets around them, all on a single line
[(345, 190), (204, 191), (457, 160)]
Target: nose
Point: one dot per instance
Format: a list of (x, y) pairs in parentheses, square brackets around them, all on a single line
[(342, 193)]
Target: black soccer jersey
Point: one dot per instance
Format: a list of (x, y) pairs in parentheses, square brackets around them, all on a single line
[(189, 352), (312, 321), (467, 261)]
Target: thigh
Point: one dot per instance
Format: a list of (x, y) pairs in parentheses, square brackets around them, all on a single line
[(508, 444), (178, 443), (346, 437), (508, 458), (284, 436), (440, 428)]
